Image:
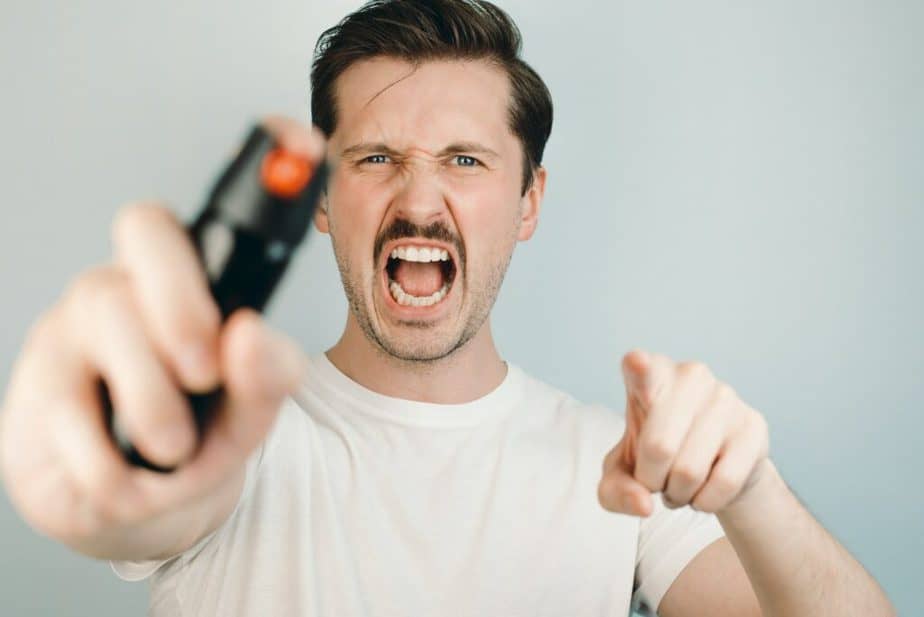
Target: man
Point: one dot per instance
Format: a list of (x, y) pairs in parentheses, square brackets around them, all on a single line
[(412, 471)]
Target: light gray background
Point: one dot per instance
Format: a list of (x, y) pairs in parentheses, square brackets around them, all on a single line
[(739, 183)]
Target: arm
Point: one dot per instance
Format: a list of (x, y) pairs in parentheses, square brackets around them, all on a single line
[(690, 437), (714, 583), (167, 535), (776, 552)]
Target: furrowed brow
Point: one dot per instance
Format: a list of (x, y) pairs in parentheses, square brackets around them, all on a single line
[(368, 148), (461, 147)]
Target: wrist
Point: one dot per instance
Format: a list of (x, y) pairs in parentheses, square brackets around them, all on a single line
[(763, 484)]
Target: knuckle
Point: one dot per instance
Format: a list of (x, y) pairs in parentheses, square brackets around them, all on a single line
[(98, 288), (134, 218), (181, 336), (696, 370), (670, 501), (207, 321), (686, 474), (180, 317), (198, 322), (657, 448), (652, 483), (186, 324), (725, 393), (760, 423)]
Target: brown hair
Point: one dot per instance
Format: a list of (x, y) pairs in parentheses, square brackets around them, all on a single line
[(421, 30)]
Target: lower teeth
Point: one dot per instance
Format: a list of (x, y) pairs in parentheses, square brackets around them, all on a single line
[(406, 299)]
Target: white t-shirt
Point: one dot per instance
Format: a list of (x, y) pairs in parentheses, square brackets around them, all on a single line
[(363, 505)]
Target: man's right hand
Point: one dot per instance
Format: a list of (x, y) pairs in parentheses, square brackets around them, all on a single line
[(148, 326)]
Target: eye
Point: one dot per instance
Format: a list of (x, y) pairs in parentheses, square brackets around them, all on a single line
[(379, 158), (467, 161)]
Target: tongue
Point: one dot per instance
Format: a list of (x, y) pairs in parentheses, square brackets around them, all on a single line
[(419, 279)]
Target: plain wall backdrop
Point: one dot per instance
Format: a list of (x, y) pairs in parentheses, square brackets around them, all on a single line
[(738, 183)]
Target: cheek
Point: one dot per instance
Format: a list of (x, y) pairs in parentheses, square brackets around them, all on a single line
[(356, 205), (480, 196), (487, 221)]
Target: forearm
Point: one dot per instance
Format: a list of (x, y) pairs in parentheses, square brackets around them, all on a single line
[(795, 566)]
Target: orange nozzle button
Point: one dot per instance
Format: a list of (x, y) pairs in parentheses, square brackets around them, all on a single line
[(283, 173)]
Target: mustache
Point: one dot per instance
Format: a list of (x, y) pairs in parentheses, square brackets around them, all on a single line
[(401, 228)]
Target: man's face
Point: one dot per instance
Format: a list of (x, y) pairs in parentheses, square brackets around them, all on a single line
[(424, 158)]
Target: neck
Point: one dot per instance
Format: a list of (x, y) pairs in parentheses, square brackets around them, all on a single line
[(470, 372)]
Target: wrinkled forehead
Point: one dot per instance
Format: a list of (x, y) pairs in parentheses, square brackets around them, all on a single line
[(428, 106)]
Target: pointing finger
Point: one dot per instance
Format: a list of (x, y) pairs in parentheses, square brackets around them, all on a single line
[(647, 376)]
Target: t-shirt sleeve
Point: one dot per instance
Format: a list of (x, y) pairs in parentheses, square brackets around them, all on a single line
[(668, 540), (133, 571)]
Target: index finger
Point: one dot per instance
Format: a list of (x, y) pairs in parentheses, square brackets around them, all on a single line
[(647, 376), (179, 315)]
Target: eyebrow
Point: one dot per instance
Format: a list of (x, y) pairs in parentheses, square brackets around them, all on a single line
[(453, 148)]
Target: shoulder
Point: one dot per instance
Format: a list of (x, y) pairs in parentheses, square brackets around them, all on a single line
[(548, 404)]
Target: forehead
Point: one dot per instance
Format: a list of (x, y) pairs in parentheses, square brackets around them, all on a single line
[(428, 106)]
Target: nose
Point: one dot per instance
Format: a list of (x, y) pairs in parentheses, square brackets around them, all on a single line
[(421, 199)]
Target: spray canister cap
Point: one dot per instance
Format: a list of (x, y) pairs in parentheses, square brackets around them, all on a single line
[(268, 190)]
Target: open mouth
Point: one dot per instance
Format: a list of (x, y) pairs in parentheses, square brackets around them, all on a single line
[(419, 276)]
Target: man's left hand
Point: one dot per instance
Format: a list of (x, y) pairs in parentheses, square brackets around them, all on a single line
[(688, 436)]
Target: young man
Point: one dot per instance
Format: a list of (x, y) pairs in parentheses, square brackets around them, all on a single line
[(412, 471)]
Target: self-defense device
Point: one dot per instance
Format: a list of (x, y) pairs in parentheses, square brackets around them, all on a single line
[(258, 212)]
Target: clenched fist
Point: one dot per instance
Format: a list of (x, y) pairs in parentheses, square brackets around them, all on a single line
[(147, 324)]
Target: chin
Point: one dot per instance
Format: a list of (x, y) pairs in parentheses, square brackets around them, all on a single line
[(416, 348)]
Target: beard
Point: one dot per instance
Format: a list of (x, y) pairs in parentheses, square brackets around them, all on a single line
[(422, 342)]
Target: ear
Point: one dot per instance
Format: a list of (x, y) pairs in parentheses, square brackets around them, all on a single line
[(529, 205), (321, 222)]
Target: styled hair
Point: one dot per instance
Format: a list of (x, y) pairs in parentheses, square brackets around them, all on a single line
[(417, 31)]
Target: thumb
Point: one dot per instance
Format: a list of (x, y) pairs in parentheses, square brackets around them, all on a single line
[(260, 368), (618, 490)]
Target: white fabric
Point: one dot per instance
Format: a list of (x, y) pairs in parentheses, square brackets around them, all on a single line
[(362, 505)]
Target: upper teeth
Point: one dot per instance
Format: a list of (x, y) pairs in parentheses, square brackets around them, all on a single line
[(413, 253)]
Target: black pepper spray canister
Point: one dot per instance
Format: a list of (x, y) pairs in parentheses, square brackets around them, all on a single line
[(258, 212)]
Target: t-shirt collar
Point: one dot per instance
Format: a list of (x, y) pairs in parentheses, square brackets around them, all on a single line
[(325, 375)]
